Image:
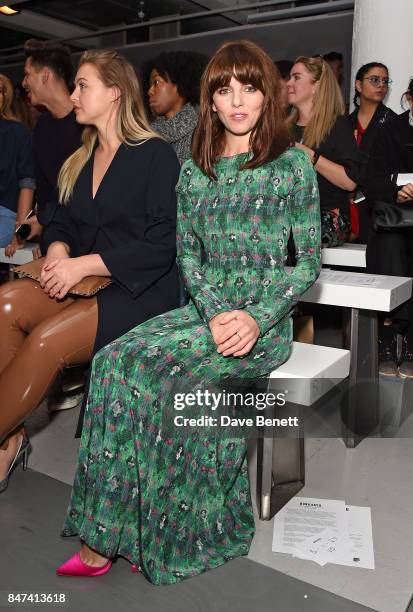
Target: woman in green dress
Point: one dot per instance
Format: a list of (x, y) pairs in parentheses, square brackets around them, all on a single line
[(176, 505)]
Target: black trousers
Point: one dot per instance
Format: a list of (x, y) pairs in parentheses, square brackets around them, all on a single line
[(391, 253)]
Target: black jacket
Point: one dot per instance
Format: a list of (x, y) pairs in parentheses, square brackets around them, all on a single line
[(382, 115), (340, 147), (131, 224), (54, 140), (392, 152)]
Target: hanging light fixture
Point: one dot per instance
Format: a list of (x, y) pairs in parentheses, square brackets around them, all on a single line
[(7, 10), (141, 11)]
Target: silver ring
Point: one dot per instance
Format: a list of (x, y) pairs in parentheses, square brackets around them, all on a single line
[(238, 335)]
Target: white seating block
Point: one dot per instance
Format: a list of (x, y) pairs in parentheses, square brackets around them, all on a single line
[(359, 290), (21, 256), (349, 255), (314, 371)]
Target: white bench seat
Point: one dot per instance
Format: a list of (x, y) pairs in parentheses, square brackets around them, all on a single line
[(21, 256), (317, 369), (362, 296), (312, 371), (348, 255), (313, 361), (359, 290)]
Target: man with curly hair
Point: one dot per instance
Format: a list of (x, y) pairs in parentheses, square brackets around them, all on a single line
[(172, 83)]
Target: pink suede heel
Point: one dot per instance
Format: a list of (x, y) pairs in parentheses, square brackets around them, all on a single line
[(75, 567)]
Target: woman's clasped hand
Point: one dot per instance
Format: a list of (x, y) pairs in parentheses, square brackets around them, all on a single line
[(235, 332), (60, 272)]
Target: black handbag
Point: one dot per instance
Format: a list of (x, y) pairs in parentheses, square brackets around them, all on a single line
[(388, 216), (394, 216)]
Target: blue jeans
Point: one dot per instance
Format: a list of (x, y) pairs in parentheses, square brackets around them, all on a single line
[(7, 225)]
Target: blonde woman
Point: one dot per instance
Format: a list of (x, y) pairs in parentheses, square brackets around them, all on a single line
[(321, 130), (118, 219)]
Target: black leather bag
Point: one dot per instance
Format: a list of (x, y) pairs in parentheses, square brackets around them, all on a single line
[(392, 216)]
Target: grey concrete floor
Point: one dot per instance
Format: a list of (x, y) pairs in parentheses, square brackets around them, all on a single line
[(241, 585), (378, 473)]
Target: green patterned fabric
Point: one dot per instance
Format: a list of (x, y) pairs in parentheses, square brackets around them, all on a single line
[(177, 506)]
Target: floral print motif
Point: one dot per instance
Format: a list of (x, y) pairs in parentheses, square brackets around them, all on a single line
[(178, 505)]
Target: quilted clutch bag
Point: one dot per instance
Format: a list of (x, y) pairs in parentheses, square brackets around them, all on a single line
[(87, 287)]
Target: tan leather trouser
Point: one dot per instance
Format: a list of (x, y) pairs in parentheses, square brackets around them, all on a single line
[(39, 336)]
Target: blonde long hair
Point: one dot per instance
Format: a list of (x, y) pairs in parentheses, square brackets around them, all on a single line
[(132, 125), (6, 109), (328, 103)]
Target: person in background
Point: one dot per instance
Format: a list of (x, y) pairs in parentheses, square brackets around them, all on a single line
[(117, 219), (48, 77), (14, 104), (172, 83), (48, 80), (319, 128), (390, 251), (17, 181), (26, 112), (336, 62), (7, 98), (284, 68), (370, 114)]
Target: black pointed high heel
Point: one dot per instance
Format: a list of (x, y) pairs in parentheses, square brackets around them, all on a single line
[(22, 456)]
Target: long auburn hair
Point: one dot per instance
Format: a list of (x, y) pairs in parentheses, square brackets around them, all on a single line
[(328, 103), (132, 126), (250, 65), (6, 110)]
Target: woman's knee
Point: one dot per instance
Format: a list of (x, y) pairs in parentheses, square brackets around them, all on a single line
[(44, 345), (13, 298), (62, 338)]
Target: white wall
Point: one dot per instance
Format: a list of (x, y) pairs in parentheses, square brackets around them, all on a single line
[(383, 32)]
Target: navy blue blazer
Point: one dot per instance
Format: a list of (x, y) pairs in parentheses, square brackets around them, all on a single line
[(131, 224)]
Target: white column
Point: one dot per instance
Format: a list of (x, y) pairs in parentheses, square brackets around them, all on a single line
[(383, 32)]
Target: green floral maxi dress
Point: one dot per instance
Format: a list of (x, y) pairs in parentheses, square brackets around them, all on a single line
[(180, 505)]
